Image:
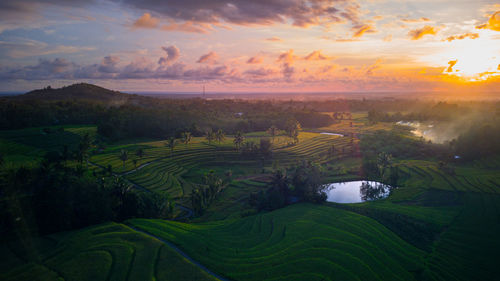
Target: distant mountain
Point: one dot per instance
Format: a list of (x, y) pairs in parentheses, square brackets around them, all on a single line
[(81, 91)]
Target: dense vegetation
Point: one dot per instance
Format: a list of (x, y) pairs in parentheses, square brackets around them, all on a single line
[(147, 188)]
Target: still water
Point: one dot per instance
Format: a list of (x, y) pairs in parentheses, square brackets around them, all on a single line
[(357, 191)]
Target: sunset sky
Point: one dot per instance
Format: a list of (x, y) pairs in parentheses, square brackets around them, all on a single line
[(252, 46)]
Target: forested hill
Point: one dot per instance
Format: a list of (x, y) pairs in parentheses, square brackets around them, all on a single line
[(81, 91)]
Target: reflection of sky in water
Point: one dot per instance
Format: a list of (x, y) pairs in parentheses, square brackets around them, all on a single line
[(356, 191)]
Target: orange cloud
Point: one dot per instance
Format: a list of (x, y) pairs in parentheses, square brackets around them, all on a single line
[(493, 23), (210, 58), (287, 57), (451, 65), (360, 30), (187, 26), (462, 36), (419, 33), (422, 19), (147, 21), (274, 39), (316, 55), (373, 67), (254, 60)]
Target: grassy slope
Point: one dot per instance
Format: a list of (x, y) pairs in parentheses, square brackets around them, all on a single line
[(27, 146), (300, 242), (105, 252)]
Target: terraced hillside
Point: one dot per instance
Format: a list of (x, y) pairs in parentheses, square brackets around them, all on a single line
[(105, 252), (161, 170), (300, 242), (27, 146)]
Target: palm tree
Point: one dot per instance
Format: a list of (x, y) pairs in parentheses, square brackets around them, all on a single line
[(186, 137), (384, 160), (170, 143), (135, 163), (292, 129), (331, 151), (238, 140), (83, 148), (139, 152), (220, 136), (65, 154), (210, 136), (273, 131), (123, 156)]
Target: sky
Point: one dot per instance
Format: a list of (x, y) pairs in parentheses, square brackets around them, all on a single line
[(252, 46)]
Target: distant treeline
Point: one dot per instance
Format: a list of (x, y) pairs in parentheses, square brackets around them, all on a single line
[(156, 117), (441, 111)]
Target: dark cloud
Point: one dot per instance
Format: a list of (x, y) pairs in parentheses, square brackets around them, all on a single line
[(26, 8), (206, 73), (261, 72), (173, 54), (254, 60), (243, 12), (45, 69), (287, 70), (108, 64), (210, 58)]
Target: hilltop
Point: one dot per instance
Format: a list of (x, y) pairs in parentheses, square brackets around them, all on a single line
[(80, 91)]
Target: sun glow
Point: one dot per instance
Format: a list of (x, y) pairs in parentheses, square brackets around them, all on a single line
[(469, 59)]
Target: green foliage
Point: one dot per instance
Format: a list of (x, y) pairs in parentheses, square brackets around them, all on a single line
[(238, 140), (480, 141), (108, 251), (299, 242), (399, 146), (54, 197)]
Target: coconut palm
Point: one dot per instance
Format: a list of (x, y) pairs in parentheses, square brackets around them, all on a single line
[(238, 140), (292, 129), (220, 136), (83, 148), (123, 156), (384, 160), (186, 137), (139, 152), (273, 131), (170, 143), (210, 136)]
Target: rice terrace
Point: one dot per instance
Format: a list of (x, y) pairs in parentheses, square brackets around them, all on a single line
[(243, 140)]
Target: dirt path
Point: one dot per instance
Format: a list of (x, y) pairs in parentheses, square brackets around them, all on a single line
[(182, 253)]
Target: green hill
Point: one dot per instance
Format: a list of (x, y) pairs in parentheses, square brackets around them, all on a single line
[(300, 242), (81, 91), (104, 252)]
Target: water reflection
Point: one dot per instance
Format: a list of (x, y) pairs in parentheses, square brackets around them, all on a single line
[(357, 191)]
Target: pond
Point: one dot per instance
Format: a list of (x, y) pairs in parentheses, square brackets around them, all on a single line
[(331, 134), (357, 191)]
